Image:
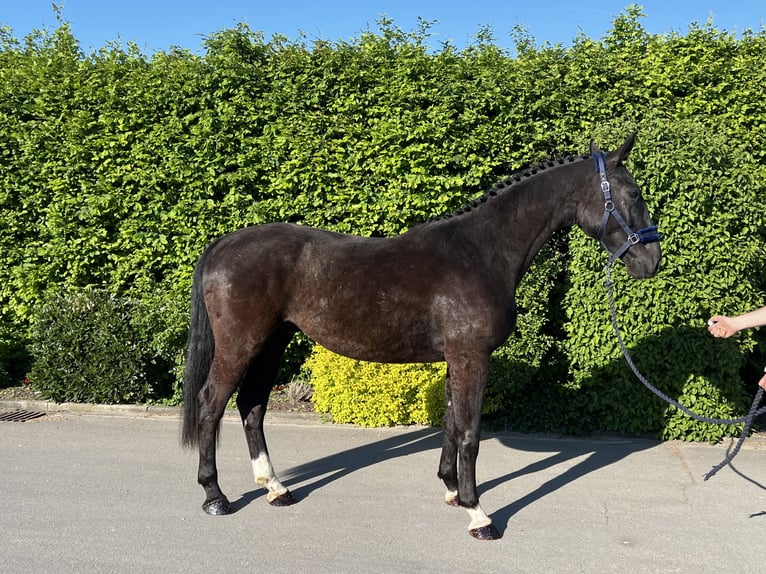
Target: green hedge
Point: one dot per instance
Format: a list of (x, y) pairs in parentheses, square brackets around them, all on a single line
[(117, 168), (706, 188)]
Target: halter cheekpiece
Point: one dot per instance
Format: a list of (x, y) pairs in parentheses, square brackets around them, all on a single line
[(645, 235)]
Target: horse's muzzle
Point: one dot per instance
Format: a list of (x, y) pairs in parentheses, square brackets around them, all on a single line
[(643, 260)]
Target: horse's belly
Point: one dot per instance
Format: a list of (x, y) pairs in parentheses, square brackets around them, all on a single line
[(394, 337)]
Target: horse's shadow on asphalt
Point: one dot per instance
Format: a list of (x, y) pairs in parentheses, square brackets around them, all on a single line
[(318, 473), (599, 454), (305, 479)]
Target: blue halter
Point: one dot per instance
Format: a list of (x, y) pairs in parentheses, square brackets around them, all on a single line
[(645, 235)]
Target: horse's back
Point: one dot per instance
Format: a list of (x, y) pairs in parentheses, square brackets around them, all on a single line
[(364, 297), (261, 250)]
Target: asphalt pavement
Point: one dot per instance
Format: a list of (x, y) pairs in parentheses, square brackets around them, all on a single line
[(112, 491)]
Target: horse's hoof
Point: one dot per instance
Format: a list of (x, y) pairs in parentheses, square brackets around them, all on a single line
[(217, 507), (488, 532), (285, 499), (452, 500)]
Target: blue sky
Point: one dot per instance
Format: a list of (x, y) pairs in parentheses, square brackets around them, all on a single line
[(158, 25)]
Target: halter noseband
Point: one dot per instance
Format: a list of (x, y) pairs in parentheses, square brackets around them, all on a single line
[(645, 235)]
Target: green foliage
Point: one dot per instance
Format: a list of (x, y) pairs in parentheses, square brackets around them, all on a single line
[(375, 394), (526, 386), (706, 189), (92, 346), (116, 169), (14, 359)]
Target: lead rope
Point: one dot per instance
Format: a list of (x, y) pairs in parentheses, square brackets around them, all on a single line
[(748, 419)]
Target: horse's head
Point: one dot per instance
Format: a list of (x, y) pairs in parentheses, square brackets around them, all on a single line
[(616, 215)]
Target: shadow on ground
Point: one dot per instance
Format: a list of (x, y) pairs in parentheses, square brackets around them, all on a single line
[(598, 454)]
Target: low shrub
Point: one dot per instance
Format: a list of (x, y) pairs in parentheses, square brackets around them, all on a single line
[(87, 347), (376, 394)]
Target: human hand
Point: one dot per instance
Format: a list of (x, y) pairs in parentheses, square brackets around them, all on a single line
[(721, 327), (762, 382)]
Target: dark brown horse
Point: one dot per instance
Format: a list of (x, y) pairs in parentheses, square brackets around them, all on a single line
[(443, 291)]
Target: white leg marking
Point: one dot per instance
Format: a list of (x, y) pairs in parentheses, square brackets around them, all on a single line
[(451, 497), (264, 475), (479, 518)]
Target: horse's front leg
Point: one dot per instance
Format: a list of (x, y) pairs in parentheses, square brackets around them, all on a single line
[(465, 392), (448, 462)]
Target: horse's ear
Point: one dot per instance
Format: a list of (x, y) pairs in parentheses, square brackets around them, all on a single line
[(622, 153), (594, 150)]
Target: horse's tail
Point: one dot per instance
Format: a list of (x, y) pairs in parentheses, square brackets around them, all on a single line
[(199, 357)]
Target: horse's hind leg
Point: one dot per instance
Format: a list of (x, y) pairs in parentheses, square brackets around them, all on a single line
[(252, 401), (220, 385)]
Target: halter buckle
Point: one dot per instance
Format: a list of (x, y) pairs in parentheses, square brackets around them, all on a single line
[(634, 238)]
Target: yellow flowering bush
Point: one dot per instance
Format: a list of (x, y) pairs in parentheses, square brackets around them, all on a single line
[(376, 394)]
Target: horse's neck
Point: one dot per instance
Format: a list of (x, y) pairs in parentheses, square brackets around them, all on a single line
[(525, 217)]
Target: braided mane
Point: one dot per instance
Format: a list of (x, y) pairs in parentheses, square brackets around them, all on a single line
[(503, 185)]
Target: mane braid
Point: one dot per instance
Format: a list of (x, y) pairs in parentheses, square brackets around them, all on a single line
[(503, 185)]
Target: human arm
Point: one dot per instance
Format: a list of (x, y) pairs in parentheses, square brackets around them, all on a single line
[(722, 326)]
